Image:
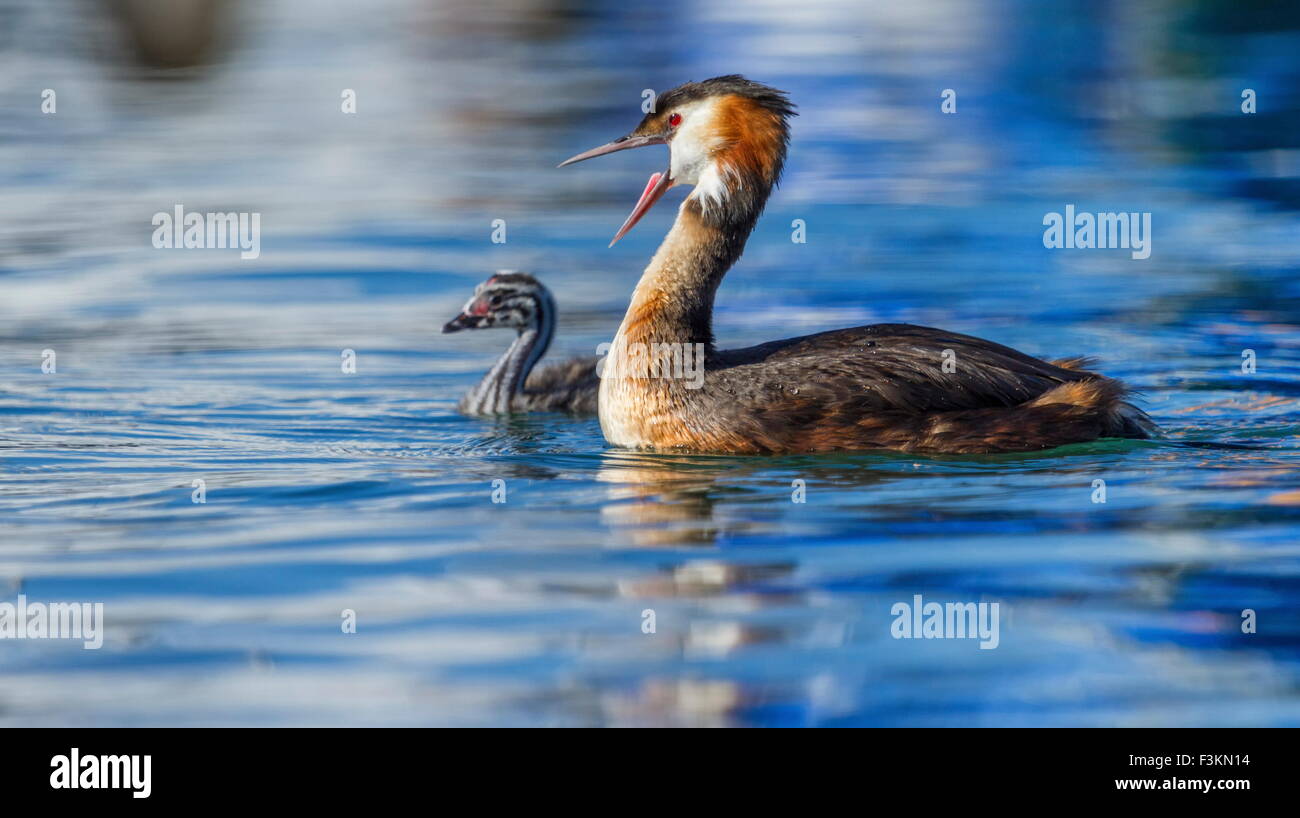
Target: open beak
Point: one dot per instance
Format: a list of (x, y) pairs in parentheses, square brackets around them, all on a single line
[(654, 189)]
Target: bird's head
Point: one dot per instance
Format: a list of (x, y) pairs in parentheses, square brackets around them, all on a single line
[(726, 136), (507, 299)]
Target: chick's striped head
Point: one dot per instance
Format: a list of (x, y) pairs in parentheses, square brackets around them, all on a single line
[(507, 299)]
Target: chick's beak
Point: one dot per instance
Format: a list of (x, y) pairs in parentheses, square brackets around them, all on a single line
[(461, 322)]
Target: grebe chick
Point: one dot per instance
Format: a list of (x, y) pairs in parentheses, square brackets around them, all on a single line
[(872, 387), (517, 300)]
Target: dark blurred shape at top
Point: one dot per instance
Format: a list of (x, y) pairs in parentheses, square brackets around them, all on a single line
[(1253, 42), (173, 33)]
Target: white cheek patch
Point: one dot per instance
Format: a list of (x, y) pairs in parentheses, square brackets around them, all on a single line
[(693, 142), (692, 149)]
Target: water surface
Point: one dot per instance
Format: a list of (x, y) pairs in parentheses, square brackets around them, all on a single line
[(328, 491)]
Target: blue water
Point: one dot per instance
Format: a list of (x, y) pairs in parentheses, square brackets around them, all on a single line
[(328, 491)]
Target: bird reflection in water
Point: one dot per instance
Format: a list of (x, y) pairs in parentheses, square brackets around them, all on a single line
[(710, 609)]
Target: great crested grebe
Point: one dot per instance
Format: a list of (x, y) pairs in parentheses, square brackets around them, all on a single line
[(518, 300), (880, 386)]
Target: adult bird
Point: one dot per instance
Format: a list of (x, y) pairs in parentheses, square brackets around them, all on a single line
[(875, 387)]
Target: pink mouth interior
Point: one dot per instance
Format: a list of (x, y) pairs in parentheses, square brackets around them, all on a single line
[(649, 196)]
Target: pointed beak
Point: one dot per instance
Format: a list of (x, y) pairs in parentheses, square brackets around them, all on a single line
[(623, 143), (654, 189), (461, 322)]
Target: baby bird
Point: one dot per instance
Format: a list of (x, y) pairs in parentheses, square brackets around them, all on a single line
[(517, 300)]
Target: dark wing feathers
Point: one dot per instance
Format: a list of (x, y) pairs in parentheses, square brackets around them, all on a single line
[(567, 386), (885, 386), (886, 368)]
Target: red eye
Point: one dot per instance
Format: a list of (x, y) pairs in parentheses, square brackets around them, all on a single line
[(674, 120)]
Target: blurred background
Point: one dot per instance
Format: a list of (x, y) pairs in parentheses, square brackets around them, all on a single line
[(329, 491)]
